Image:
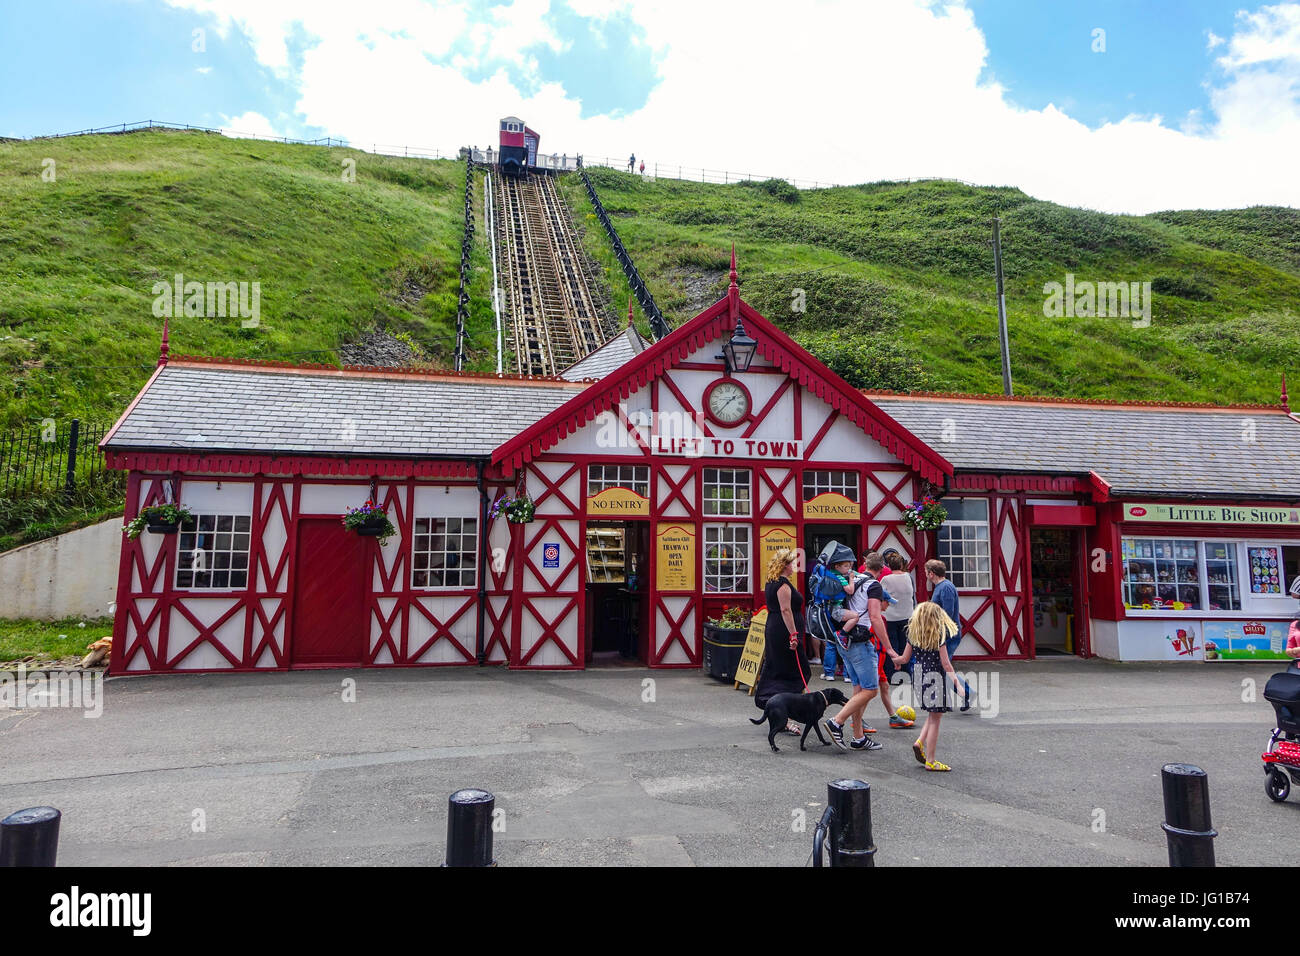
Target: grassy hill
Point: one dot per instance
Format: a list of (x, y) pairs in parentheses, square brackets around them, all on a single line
[(899, 290), (79, 257)]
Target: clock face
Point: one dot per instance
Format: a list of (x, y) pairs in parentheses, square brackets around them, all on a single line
[(727, 402)]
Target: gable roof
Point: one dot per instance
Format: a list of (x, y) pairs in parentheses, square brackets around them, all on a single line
[(716, 322), (1191, 451), (615, 353), (215, 406)]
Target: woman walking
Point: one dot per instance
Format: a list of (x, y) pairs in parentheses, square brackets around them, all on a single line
[(785, 668), (927, 630), (898, 584)]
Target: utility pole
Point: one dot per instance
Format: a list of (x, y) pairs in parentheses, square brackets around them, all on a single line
[(1002, 309)]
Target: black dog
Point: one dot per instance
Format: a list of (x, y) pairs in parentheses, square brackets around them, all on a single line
[(805, 708)]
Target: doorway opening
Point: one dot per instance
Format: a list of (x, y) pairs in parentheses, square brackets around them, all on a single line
[(616, 605), (1053, 567), (817, 536)]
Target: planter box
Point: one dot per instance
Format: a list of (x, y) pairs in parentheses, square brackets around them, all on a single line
[(722, 649)]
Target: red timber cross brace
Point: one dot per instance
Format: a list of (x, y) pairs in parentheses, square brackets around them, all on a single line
[(548, 610)]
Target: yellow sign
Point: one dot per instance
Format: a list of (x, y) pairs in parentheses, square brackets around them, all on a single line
[(674, 557), (830, 505), (751, 658), (618, 501), (1213, 514), (771, 539)]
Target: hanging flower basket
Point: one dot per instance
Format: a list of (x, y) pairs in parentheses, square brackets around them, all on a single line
[(517, 510), (370, 521), (925, 515), (158, 519)]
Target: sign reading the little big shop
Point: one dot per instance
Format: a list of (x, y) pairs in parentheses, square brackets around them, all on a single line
[(674, 557), (831, 505), (1212, 514), (618, 501)]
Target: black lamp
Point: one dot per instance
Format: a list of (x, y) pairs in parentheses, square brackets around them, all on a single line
[(739, 351)]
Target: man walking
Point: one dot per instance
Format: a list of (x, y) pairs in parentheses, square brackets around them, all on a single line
[(631, 162), (860, 661), (944, 593)]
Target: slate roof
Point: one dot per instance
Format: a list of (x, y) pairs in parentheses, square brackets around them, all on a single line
[(1136, 449), (615, 353), (208, 407)]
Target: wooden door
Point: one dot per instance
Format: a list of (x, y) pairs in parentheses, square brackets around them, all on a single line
[(329, 602)]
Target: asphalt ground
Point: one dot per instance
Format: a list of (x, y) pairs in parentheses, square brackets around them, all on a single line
[(602, 768)]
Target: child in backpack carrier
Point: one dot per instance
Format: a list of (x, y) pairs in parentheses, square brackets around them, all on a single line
[(833, 584)]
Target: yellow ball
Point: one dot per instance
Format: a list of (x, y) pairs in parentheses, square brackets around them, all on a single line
[(906, 712)]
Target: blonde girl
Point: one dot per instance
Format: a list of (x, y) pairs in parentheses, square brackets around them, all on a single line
[(927, 629)]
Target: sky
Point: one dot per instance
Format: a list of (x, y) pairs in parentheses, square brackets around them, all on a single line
[(1119, 105)]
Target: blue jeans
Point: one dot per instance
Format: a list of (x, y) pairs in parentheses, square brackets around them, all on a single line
[(951, 646), (828, 658), (861, 665)]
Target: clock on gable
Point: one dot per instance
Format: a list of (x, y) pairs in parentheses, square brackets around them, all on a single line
[(726, 401)]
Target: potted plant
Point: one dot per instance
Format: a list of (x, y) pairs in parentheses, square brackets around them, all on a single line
[(158, 519), (370, 521), (925, 515), (517, 510), (724, 642)]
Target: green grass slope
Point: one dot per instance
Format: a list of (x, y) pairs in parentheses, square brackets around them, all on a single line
[(79, 256), (898, 286)]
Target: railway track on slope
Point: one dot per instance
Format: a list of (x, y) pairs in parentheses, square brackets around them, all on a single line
[(553, 320)]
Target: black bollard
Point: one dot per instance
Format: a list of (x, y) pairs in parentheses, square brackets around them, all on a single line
[(469, 828), (30, 837), (1187, 815), (850, 805)]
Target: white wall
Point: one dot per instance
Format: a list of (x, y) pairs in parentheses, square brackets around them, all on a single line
[(72, 575)]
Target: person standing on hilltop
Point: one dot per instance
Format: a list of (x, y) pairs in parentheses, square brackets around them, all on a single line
[(631, 162)]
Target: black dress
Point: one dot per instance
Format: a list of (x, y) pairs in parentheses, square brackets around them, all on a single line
[(785, 671)]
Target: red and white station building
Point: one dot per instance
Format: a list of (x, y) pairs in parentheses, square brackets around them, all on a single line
[(661, 487)]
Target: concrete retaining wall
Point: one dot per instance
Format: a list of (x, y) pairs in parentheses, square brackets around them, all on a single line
[(72, 575)]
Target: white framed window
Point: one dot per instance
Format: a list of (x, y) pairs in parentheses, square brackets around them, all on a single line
[(632, 477), (726, 559), (726, 492), (212, 552), (444, 553), (841, 482), (964, 543)]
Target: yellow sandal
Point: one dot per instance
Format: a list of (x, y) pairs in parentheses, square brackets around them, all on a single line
[(918, 751), (935, 765)]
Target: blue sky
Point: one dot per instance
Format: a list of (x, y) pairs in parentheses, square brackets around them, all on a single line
[(719, 85)]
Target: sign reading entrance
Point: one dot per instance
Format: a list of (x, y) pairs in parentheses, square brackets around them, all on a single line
[(830, 504), (1212, 514), (618, 502), (674, 557), (751, 658)]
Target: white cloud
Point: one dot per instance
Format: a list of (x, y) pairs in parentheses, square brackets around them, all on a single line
[(830, 91), (248, 124)]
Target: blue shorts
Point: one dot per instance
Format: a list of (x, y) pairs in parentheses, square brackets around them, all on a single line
[(861, 666)]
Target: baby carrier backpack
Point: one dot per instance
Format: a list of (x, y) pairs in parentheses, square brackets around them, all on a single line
[(824, 590)]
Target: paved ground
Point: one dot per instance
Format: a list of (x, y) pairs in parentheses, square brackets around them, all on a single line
[(587, 772)]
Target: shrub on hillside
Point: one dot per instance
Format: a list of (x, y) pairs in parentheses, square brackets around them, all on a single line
[(1184, 287), (776, 188), (871, 361), (829, 299)]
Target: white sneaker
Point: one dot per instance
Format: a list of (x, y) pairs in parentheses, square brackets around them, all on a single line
[(826, 676), (846, 679)]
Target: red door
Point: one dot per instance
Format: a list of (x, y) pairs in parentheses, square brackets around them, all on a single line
[(329, 604)]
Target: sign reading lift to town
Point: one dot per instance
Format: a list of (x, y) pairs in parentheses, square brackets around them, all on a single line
[(706, 447), (1212, 514)]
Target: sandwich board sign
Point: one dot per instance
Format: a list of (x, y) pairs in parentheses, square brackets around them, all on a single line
[(751, 658)]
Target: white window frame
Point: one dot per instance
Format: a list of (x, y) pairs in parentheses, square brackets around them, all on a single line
[(184, 555), (713, 503), (963, 577), (734, 536), (635, 478), (428, 551), (821, 480)]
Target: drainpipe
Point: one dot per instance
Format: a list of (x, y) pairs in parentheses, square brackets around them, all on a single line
[(482, 564)]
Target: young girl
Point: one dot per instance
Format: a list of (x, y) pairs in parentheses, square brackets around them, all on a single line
[(927, 629)]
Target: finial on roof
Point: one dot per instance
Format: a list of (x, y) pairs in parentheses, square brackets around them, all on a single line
[(165, 347), (1286, 403), (733, 290), (629, 312)]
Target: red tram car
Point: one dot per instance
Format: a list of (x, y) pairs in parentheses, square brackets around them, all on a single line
[(518, 146)]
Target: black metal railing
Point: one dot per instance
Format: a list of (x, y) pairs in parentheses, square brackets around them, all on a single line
[(659, 326), (51, 457), (466, 250)]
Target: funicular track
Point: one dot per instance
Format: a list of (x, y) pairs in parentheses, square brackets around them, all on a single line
[(553, 321)]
